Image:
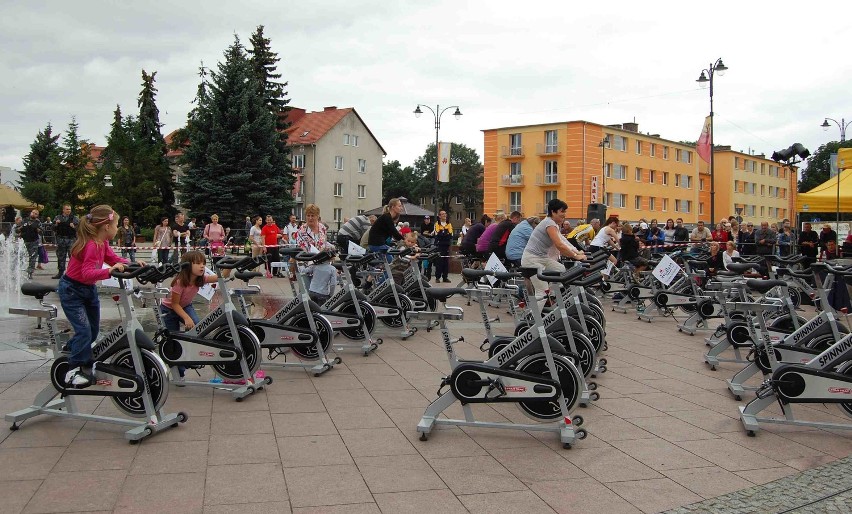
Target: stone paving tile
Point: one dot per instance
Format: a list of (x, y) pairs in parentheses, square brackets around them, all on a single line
[(584, 495), (417, 502), (183, 492), (473, 475), (72, 492), (654, 495), (17, 494), (398, 473), (257, 483), (508, 502), (308, 487)]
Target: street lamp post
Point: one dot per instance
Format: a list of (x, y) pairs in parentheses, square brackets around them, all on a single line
[(842, 124), (707, 76), (437, 113), (604, 144)]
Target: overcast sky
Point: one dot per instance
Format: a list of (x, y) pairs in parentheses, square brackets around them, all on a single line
[(504, 63)]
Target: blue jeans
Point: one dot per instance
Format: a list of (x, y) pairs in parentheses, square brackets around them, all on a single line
[(163, 256), (173, 321), (82, 307), (381, 249)]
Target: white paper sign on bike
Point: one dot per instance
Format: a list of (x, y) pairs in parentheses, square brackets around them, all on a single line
[(113, 282), (355, 249), (207, 291), (666, 270), (494, 264)]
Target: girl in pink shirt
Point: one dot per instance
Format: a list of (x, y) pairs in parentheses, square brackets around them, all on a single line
[(78, 294)]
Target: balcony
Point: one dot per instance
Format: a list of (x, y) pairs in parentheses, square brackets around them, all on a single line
[(545, 149), (508, 208), (513, 152), (512, 180), (547, 179)]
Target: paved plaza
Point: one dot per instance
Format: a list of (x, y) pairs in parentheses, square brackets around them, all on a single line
[(664, 435)]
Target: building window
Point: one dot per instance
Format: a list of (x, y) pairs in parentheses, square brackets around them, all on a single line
[(515, 147), (683, 156), (338, 162), (619, 172), (618, 143), (298, 161), (666, 152), (616, 200), (458, 215), (763, 168), (652, 204), (686, 181), (637, 202), (515, 201), (665, 178), (736, 186), (701, 184), (762, 190), (338, 214), (459, 200), (700, 208), (638, 147), (548, 196), (362, 166), (762, 209), (551, 141), (472, 216), (677, 180), (653, 177), (354, 140), (682, 206), (665, 204), (653, 149), (345, 139), (550, 174), (752, 188), (514, 173), (360, 211), (638, 174), (362, 191), (338, 189)]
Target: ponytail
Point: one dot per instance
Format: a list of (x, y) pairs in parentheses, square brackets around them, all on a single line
[(89, 226)]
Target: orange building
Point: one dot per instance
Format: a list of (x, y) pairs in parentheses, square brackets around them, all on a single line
[(636, 175)]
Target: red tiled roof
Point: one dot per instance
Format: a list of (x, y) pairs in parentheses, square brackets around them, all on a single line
[(172, 153), (309, 127)]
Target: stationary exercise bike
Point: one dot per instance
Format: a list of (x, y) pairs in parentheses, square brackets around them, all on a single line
[(127, 368), (529, 372), (222, 340)]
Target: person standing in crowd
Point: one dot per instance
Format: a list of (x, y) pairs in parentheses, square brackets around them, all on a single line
[(427, 233), (655, 236), (180, 232), (13, 230), (271, 238), (669, 231), (500, 236), (700, 233), (546, 244), (734, 231), (352, 231), (825, 236), (384, 231), (30, 231), (256, 238), (518, 239), (443, 240), (721, 234), (163, 240), (249, 224), (641, 230), (764, 239), (681, 234), (745, 244), (464, 229), (215, 235), (127, 240), (785, 240), (65, 228), (808, 245)]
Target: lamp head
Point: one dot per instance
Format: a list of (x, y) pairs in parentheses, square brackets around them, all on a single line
[(795, 150), (825, 124), (703, 80), (457, 114), (720, 67), (417, 111)]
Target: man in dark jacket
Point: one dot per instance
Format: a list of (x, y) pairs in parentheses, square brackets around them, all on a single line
[(65, 227), (808, 245), (29, 231), (681, 234)]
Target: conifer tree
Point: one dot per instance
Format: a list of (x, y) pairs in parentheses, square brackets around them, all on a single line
[(39, 163), (69, 182), (235, 165), (264, 63), (116, 161)]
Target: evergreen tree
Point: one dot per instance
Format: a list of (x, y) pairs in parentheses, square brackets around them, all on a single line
[(264, 63), (70, 181), (42, 160), (116, 161), (235, 164), (465, 177)]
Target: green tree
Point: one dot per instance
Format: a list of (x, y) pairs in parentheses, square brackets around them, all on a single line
[(465, 177), (42, 161), (234, 160), (116, 162), (264, 63), (818, 169), (70, 182), (398, 181)]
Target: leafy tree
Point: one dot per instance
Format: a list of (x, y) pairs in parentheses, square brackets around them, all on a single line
[(234, 160), (818, 169), (70, 181), (398, 181), (42, 160), (465, 177)]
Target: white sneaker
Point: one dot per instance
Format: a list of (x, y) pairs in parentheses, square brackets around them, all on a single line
[(78, 378)]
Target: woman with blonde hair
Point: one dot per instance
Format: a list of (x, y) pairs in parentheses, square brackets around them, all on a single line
[(384, 231)]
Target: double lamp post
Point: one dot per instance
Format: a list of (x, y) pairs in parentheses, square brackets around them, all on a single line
[(707, 76), (437, 113)]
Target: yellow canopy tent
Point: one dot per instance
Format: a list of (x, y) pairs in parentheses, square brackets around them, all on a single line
[(9, 196), (823, 198)]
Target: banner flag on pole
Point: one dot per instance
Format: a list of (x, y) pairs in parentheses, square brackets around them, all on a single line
[(444, 162), (703, 146)]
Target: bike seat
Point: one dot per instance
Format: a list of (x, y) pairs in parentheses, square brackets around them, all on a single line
[(527, 272), (740, 268), (472, 275), (245, 276), (38, 290), (727, 273), (763, 286), (357, 259), (317, 258), (505, 275), (561, 277), (289, 251), (442, 293)]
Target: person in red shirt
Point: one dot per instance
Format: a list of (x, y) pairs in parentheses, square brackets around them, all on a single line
[(721, 234), (271, 234)]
